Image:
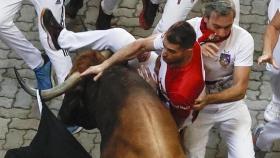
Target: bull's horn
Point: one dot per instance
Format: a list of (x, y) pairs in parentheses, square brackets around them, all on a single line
[(53, 92)]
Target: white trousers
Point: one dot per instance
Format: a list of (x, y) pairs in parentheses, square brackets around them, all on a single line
[(234, 124), (268, 135), (111, 39), (62, 64), (174, 12), (274, 81), (13, 37)]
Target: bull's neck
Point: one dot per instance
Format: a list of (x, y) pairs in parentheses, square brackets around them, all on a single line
[(145, 129)]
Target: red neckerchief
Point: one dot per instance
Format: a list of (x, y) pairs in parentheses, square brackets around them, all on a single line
[(208, 35)]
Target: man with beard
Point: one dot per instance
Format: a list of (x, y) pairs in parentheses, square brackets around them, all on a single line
[(227, 56)]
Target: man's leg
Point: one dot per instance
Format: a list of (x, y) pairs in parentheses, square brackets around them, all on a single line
[(13, 37), (235, 128), (148, 13), (106, 8), (174, 12), (112, 39), (272, 111), (196, 135), (62, 64), (269, 134)]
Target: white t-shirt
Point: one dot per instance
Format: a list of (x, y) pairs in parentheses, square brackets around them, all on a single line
[(158, 42), (272, 8), (238, 49)]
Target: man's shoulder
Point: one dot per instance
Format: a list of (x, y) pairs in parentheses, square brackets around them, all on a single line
[(240, 36), (240, 32)]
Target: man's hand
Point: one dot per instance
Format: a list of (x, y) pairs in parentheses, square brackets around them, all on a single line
[(96, 70), (268, 58), (200, 103), (210, 50), (148, 76), (144, 56)]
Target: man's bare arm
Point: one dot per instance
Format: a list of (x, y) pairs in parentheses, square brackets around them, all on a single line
[(132, 50), (237, 91), (270, 40), (128, 52), (272, 33), (234, 93)]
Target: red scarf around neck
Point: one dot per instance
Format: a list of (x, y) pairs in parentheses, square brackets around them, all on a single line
[(208, 35)]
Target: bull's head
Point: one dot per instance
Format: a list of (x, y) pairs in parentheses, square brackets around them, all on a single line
[(84, 60), (122, 106)]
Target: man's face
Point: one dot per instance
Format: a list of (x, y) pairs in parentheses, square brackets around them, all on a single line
[(221, 25), (174, 55)]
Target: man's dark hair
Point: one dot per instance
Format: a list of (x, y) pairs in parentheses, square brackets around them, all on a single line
[(181, 33)]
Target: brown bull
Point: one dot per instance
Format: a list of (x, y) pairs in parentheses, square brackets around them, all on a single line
[(132, 120)]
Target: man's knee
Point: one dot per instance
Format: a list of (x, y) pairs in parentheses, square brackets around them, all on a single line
[(126, 36)]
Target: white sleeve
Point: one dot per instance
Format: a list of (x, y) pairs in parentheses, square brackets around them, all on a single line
[(195, 23), (158, 42), (244, 55), (272, 8)]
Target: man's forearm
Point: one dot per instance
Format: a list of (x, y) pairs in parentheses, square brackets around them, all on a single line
[(270, 39), (231, 94), (128, 52)]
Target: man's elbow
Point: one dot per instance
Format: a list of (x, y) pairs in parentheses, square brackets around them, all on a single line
[(241, 96), (140, 45), (242, 92)]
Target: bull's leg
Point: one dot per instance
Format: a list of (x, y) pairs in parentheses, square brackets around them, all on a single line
[(72, 8)]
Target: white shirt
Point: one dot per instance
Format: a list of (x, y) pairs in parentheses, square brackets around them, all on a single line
[(239, 48)]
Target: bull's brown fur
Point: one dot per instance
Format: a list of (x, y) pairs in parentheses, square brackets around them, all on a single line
[(146, 130), (86, 59)]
